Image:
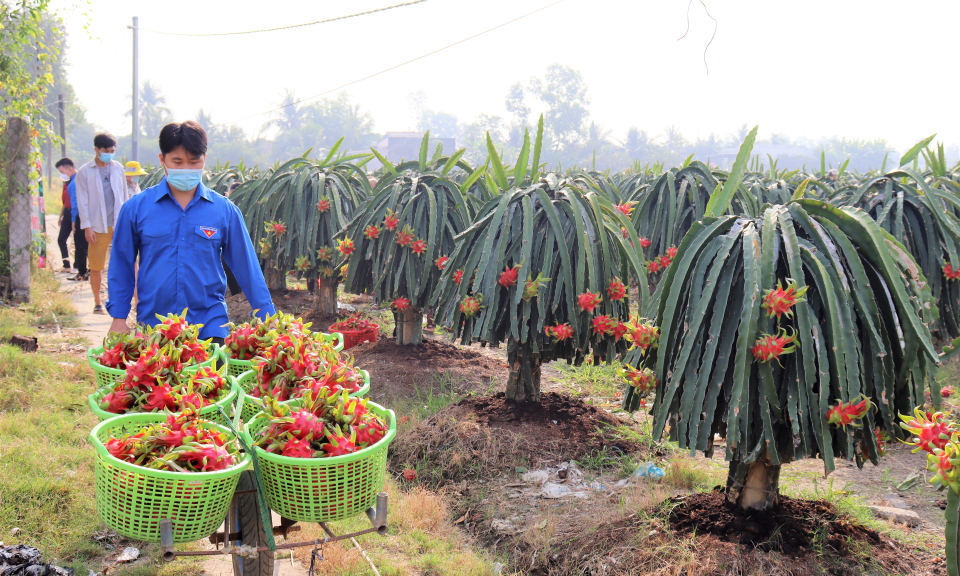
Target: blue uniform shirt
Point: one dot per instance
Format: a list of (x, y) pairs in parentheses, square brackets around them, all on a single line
[(179, 254), (72, 190)]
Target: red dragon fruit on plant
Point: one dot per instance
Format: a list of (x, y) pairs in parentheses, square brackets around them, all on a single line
[(510, 276), (931, 431), (644, 380), (325, 253), (619, 330), (345, 246), (405, 236), (471, 305), (419, 246), (400, 304), (588, 301), (642, 334), (645, 242), (950, 272), (273, 227), (302, 263), (778, 302), (371, 232), (442, 262), (458, 276), (626, 208), (616, 290), (848, 413), (603, 325), (653, 266), (323, 205), (672, 253), (559, 332), (769, 347), (391, 221)]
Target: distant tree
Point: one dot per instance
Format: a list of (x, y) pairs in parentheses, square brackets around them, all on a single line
[(673, 140), (154, 113), (473, 137), (564, 93), (440, 124), (638, 144), (516, 105), (341, 117)]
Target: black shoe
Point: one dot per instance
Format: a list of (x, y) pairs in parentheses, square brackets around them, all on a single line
[(80, 277), (98, 309)]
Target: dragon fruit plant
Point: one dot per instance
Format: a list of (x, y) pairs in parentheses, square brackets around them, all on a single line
[(324, 423), (157, 382), (179, 444), (547, 257), (937, 434), (297, 364), (123, 350), (314, 199), (419, 210), (801, 333)]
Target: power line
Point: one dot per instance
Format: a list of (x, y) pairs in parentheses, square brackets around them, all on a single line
[(287, 27), (342, 86)]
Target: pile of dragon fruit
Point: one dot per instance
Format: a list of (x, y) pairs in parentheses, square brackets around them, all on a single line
[(300, 362), (326, 423), (354, 322), (156, 382), (124, 350), (179, 444), (251, 339)]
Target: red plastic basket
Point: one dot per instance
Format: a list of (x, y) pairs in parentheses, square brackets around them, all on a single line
[(352, 338)]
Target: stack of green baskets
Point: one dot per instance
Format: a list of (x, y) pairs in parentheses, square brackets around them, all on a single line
[(253, 405), (107, 376), (324, 489), (238, 367), (132, 500)]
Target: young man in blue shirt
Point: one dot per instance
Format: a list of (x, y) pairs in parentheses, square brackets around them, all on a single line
[(179, 229)]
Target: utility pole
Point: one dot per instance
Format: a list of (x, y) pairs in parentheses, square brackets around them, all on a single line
[(63, 126), (135, 135)]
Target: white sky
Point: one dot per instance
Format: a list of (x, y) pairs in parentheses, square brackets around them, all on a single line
[(865, 68)]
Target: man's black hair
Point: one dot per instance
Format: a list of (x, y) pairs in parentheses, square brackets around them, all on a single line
[(104, 140), (233, 186), (188, 134), (63, 162)]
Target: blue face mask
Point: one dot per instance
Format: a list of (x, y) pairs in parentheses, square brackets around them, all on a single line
[(106, 157), (184, 179)]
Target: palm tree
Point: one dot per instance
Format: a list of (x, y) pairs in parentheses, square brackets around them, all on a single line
[(673, 139), (153, 110)]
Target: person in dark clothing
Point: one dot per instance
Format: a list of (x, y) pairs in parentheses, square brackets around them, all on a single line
[(67, 172)]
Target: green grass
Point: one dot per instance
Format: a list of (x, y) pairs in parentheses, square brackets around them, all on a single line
[(601, 380)]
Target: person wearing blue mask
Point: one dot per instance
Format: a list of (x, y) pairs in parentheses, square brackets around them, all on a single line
[(179, 229), (101, 192)]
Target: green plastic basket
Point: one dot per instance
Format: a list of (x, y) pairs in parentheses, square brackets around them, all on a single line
[(227, 399), (238, 367), (132, 500), (252, 406), (107, 376), (324, 489)]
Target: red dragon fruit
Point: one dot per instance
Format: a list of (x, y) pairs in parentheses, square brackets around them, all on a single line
[(306, 425), (653, 266), (626, 208), (642, 334), (619, 330), (325, 253), (418, 246), (204, 457), (117, 402), (950, 272), (193, 353), (242, 342), (296, 448), (471, 305), (276, 228), (400, 304), (442, 263), (510, 276), (159, 398), (458, 276), (848, 413), (391, 221), (371, 232), (931, 431), (370, 432), (769, 347), (113, 357), (645, 242), (338, 444), (171, 327), (672, 253), (616, 290), (603, 325), (345, 246), (588, 302), (405, 236), (643, 380), (779, 302), (560, 332), (323, 205)]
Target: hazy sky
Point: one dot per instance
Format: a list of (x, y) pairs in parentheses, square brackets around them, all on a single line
[(862, 69)]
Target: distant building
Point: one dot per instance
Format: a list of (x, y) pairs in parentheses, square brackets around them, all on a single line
[(397, 146), (724, 159)]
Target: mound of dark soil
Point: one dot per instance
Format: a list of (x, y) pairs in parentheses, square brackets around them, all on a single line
[(412, 370), (557, 418), (790, 527)]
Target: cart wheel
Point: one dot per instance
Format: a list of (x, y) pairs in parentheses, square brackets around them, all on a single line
[(243, 516)]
